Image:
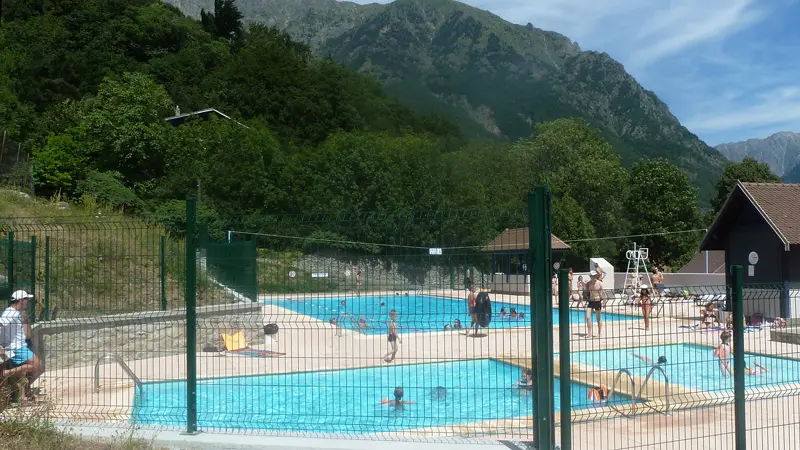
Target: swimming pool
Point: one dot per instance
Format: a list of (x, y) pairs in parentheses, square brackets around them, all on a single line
[(692, 366), (415, 312), (349, 401)]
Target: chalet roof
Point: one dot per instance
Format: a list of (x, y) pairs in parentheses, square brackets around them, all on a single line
[(516, 239)]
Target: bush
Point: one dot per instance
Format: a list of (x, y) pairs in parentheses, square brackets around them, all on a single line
[(108, 189)]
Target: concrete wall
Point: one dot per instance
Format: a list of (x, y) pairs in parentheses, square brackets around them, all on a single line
[(67, 343), (519, 284)]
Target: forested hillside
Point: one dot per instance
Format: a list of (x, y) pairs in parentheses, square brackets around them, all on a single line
[(86, 86)]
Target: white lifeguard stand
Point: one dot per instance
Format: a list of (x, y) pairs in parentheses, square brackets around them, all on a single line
[(637, 273)]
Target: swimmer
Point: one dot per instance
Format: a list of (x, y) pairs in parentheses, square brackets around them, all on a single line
[(447, 326), (344, 303), (439, 393), (526, 379), (502, 312), (457, 324), (362, 323), (513, 313), (756, 371), (723, 352), (332, 321), (598, 394), (661, 359), (381, 303), (398, 398)]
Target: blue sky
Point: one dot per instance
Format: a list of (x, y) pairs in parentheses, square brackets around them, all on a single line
[(728, 69)]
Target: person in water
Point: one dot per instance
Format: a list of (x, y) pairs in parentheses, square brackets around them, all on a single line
[(393, 337), (756, 370), (362, 323), (398, 398), (661, 359), (723, 352), (526, 379), (502, 312), (439, 393), (457, 324), (598, 394)]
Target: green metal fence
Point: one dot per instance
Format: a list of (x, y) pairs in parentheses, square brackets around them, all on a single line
[(140, 326)]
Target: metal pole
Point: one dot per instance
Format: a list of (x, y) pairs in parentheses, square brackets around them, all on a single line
[(738, 358), (540, 253), (10, 262), (191, 317), (47, 277), (163, 248), (564, 289), (706, 261), (32, 304)]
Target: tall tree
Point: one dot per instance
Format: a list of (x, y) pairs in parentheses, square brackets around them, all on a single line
[(749, 170), (225, 22), (661, 200)]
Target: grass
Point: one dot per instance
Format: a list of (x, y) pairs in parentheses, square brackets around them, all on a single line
[(273, 274), (100, 261)]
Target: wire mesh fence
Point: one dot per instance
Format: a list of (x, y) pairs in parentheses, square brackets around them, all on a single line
[(383, 326)]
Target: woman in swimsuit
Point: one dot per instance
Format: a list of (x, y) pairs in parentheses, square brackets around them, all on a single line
[(393, 337), (644, 300)]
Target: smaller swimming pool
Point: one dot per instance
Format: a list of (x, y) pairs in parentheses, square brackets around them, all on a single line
[(349, 401), (416, 313), (692, 366)]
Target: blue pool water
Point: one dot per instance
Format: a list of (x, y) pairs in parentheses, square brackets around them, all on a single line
[(415, 312), (692, 366), (349, 401)]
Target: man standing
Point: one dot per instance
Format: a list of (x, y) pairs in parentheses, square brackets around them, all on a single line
[(658, 281), (472, 303), (359, 280), (595, 290), (14, 328)]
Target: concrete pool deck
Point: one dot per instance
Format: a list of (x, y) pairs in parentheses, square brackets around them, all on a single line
[(311, 344)]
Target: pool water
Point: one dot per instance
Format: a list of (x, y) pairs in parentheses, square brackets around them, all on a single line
[(692, 366), (415, 312), (349, 401)]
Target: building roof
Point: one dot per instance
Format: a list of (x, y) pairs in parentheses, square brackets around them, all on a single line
[(516, 240), (178, 119), (715, 262), (777, 203)]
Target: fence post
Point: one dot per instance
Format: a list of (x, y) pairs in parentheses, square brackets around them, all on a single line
[(162, 248), (564, 375), (191, 316), (47, 277), (540, 243), (738, 357), (32, 304), (10, 263)]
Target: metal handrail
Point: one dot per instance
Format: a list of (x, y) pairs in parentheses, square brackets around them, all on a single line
[(121, 363), (353, 321), (614, 390), (666, 385)]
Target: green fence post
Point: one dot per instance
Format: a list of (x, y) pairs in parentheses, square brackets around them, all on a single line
[(47, 277), (540, 244), (564, 358), (10, 264), (191, 316), (163, 250), (32, 304), (738, 357)]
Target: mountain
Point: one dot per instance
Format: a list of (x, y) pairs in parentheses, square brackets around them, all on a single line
[(496, 79), (780, 151)]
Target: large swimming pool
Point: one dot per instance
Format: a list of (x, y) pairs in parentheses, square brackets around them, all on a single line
[(349, 401), (415, 312), (692, 366)]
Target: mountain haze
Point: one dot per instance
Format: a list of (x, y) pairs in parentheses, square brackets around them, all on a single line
[(494, 78), (780, 151)]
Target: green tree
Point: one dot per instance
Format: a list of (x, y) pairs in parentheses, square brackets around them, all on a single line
[(570, 223), (225, 22), (123, 129), (58, 165), (662, 201), (749, 170)]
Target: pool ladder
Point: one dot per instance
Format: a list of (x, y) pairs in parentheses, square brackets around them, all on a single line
[(115, 358), (340, 329), (650, 373)]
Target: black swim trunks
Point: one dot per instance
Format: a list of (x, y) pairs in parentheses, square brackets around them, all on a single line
[(596, 305), (392, 337), (472, 310)]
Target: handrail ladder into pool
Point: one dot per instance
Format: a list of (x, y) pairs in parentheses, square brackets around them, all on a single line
[(666, 388), (117, 359), (340, 328), (614, 390)]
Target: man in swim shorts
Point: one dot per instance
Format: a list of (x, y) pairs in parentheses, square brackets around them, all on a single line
[(595, 289)]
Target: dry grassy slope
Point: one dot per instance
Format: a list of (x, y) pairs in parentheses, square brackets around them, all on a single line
[(100, 261)]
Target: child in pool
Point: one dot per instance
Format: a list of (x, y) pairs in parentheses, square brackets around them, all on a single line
[(398, 398), (723, 352)]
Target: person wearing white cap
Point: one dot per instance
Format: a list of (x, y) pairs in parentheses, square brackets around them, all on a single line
[(13, 324), (595, 289)]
